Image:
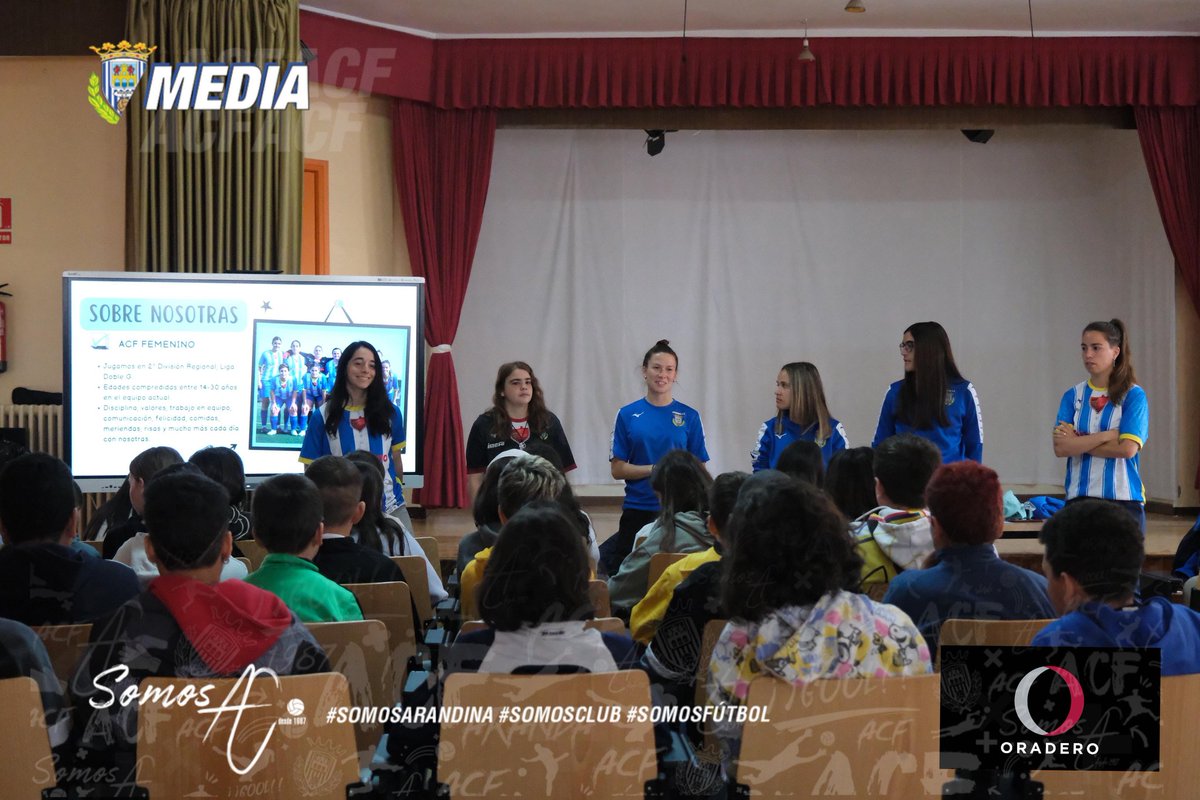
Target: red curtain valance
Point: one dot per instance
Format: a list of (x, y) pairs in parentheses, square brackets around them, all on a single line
[(755, 73), (764, 73)]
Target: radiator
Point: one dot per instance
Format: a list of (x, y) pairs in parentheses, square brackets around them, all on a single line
[(44, 424)]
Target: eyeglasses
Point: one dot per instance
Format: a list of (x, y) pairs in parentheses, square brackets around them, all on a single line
[(907, 347)]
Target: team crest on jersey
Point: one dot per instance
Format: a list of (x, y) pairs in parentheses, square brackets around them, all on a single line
[(950, 397), (677, 419)]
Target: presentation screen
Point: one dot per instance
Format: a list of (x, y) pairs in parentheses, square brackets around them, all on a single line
[(191, 361)]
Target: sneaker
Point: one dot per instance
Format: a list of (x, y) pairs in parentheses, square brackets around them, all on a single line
[(297, 433), (272, 432)]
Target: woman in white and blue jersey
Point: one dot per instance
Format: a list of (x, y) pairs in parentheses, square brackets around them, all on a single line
[(645, 431), (1103, 423), (359, 416), (934, 400), (801, 415)]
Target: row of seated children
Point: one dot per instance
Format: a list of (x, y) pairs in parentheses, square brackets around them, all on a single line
[(189, 619), (783, 537)]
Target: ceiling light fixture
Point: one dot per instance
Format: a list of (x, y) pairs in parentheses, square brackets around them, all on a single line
[(805, 53), (856, 7)]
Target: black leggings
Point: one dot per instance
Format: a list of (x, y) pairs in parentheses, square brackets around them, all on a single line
[(616, 547)]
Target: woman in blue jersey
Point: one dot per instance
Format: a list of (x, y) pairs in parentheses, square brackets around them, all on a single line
[(359, 416), (933, 400), (645, 431), (1103, 423), (801, 415)]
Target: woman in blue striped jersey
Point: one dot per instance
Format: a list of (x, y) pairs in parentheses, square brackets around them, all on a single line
[(1103, 423), (359, 416)]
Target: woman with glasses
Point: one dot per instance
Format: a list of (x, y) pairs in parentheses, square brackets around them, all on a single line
[(933, 400), (801, 415)]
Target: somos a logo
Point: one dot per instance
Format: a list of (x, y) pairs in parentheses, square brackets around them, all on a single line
[(200, 87)]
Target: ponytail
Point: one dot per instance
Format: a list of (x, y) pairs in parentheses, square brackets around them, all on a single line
[(1123, 377)]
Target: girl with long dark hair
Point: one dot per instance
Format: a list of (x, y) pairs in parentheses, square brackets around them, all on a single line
[(933, 400), (1104, 422), (359, 416), (517, 417)]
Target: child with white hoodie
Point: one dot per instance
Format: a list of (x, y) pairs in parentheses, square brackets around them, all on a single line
[(897, 534)]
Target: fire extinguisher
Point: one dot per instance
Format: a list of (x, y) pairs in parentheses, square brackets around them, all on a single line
[(3, 331)]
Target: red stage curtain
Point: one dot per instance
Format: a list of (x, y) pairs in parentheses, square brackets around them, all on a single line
[(1171, 144), (764, 73), (443, 165)]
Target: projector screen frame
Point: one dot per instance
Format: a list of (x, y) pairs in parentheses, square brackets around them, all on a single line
[(415, 427)]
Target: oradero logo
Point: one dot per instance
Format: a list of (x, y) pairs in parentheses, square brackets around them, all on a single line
[(1021, 701)]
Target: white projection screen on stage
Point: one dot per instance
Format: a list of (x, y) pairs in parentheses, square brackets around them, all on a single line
[(182, 361)]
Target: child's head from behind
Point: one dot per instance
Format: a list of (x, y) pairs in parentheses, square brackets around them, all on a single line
[(287, 513), (340, 483)]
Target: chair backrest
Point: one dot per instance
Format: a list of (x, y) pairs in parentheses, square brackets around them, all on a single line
[(876, 591), (868, 737), (551, 757), (659, 563), (708, 642), (429, 545), (602, 624), (360, 650), (1179, 769), (66, 645), (246, 561), (1007, 632), (28, 765), (304, 754), (598, 594), (390, 604), (253, 551), (417, 579)]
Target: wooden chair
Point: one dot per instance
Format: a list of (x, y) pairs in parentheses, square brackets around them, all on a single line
[(66, 645), (659, 563), (708, 642), (1006, 632), (417, 579), (1179, 769), (360, 650), (302, 753), (868, 737), (429, 544), (598, 594), (28, 764), (390, 604), (602, 624), (875, 591), (546, 759), (253, 551)]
